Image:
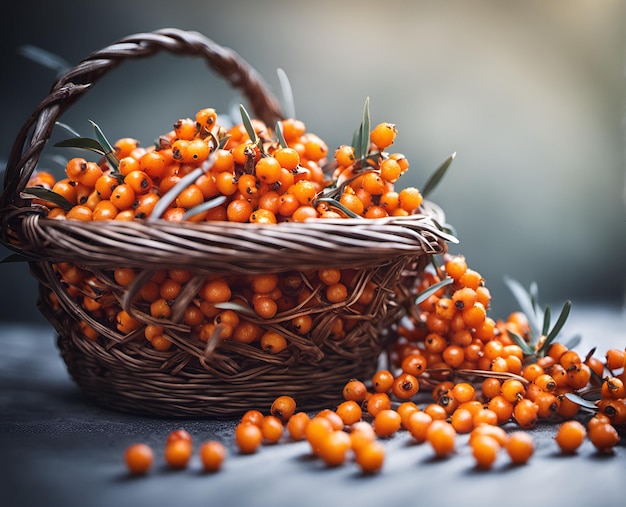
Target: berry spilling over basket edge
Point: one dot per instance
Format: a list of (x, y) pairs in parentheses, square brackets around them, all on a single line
[(228, 263)]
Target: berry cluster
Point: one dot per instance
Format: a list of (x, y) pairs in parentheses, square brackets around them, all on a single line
[(454, 370), (204, 171)]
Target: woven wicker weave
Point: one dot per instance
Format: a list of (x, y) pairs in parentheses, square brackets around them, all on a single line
[(196, 378)]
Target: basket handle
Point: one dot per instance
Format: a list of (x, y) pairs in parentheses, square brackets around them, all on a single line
[(26, 151)]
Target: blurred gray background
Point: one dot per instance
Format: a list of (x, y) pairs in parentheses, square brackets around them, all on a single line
[(529, 94)]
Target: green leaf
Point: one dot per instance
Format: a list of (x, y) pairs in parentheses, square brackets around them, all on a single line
[(47, 195), (525, 302), (15, 257), (45, 58), (582, 402), (228, 305), (546, 322), (336, 204), (574, 341), (82, 143), (279, 134), (557, 326), (426, 293), (365, 129), (437, 176), (110, 154), (287, 94), (207, 205), (247, 123), (68, 128), (527, 349)]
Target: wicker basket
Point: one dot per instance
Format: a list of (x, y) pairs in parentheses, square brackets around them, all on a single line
[(194, 378)]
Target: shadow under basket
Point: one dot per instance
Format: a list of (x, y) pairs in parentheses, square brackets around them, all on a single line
[(199, 375)]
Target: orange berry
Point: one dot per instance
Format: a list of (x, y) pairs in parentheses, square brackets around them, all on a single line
[(441, 435), (212, 454), (570, 436), (139, 458), (383, 135), (248, 437)]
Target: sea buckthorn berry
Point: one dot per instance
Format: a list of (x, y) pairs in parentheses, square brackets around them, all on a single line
[(463, 392), (267, 170), (414, 364), (212, 454), (485, 416), (273, 342), (390, 171), (436, 411), (334, 447), (570, 436), (603, 436), (344, 155), (302, 324), (370, 457), (349, 411), (455, 267), (178, 453), (65, 189), (123, 196), (405, 386), (405, 409), (513, 390), (390, 201), (316, 431), (445, 308), (336, 293), (296, 426), (265, 307), (387, 422), (125, 146), (288, 158), (248, 437), (304, 213), (373, 183), (441, 435), (613, 388), (546, 382), (491, 387), (185, 128), (501, 407), (139, 458), (453, 356), (410, 199), (355, 390), (462, 420), (283, 407), (382, 381), (525, 413), (496, 432), (464, 297), (90, 175), (272, 429), (383, 135), (216, 291), (80, 212), (615, 359), (485, 450), (179, 434), (569, 359), (75, 167), (252, 416), (377, 402), (418, 425), (127, 165), (471, 278), (474, 315), (520, 447)]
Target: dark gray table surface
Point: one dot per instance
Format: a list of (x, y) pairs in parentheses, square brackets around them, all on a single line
[(58, 449)]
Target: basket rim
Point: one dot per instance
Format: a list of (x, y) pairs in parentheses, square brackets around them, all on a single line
[(233, 247)]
